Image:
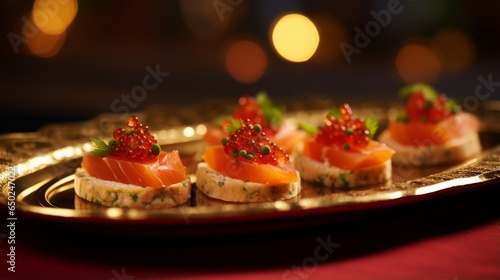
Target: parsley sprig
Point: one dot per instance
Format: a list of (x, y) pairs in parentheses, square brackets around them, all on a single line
[(272, 113), (371, 125), (429, 92), (235, 125), (310, 129), (430, 95), (101, 148)]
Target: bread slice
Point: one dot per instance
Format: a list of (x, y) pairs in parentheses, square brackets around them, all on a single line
[(330, 176), (216, 185), (110, 193), (453, 151)]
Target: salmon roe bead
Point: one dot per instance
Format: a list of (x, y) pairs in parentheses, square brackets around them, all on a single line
[(249, 142), (251, 109), (343, 130), (134, 141), (420, 109)]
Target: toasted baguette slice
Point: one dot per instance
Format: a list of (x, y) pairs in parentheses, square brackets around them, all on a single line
[(110, 193), (216, 185), (330, 176), (453, 151)]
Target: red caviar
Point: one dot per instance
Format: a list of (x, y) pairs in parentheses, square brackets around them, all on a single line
[(134, 141), (251, 109), (340, 128), (422, 109), (249, 142)]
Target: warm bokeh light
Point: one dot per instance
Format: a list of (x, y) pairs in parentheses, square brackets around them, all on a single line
[(456, 49), (417, 64), (46, 45), (246, 61), (53, 17), (295, 37)]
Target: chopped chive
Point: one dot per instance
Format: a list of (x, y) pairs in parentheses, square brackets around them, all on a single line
[(257, 127), (243, 153), (345, 183), (348, 131), (346, 146), (252, 194), (224, 140), (249, 157), (235, 153), (156, 149), (265, 150)]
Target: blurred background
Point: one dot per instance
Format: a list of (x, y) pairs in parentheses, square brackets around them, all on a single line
[(69, 60)]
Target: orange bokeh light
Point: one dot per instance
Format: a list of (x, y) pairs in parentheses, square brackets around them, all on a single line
[(246, 61), (53, 17), (456, 49), (417, 64), (46, 45)]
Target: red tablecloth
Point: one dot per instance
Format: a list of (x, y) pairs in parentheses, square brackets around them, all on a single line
[(451, 237)]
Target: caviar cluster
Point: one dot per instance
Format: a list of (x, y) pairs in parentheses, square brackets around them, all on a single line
[(251, 109), (428, 109), (134, 141), (340, 128), (250, 143)]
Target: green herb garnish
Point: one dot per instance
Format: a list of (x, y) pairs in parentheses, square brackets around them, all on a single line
[(452, 106), (335, 112), (235, 125), (100, 148), (429, 92), (273, 114), (371, 125), (310, 129), (219, 120), (403, 117)]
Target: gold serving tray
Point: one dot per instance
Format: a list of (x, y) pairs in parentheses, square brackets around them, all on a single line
[(45, 162)]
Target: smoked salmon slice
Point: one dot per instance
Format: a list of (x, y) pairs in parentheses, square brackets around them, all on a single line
[(244, 170), (287, 136), (164, 170), (423, 134), (374, 154)]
